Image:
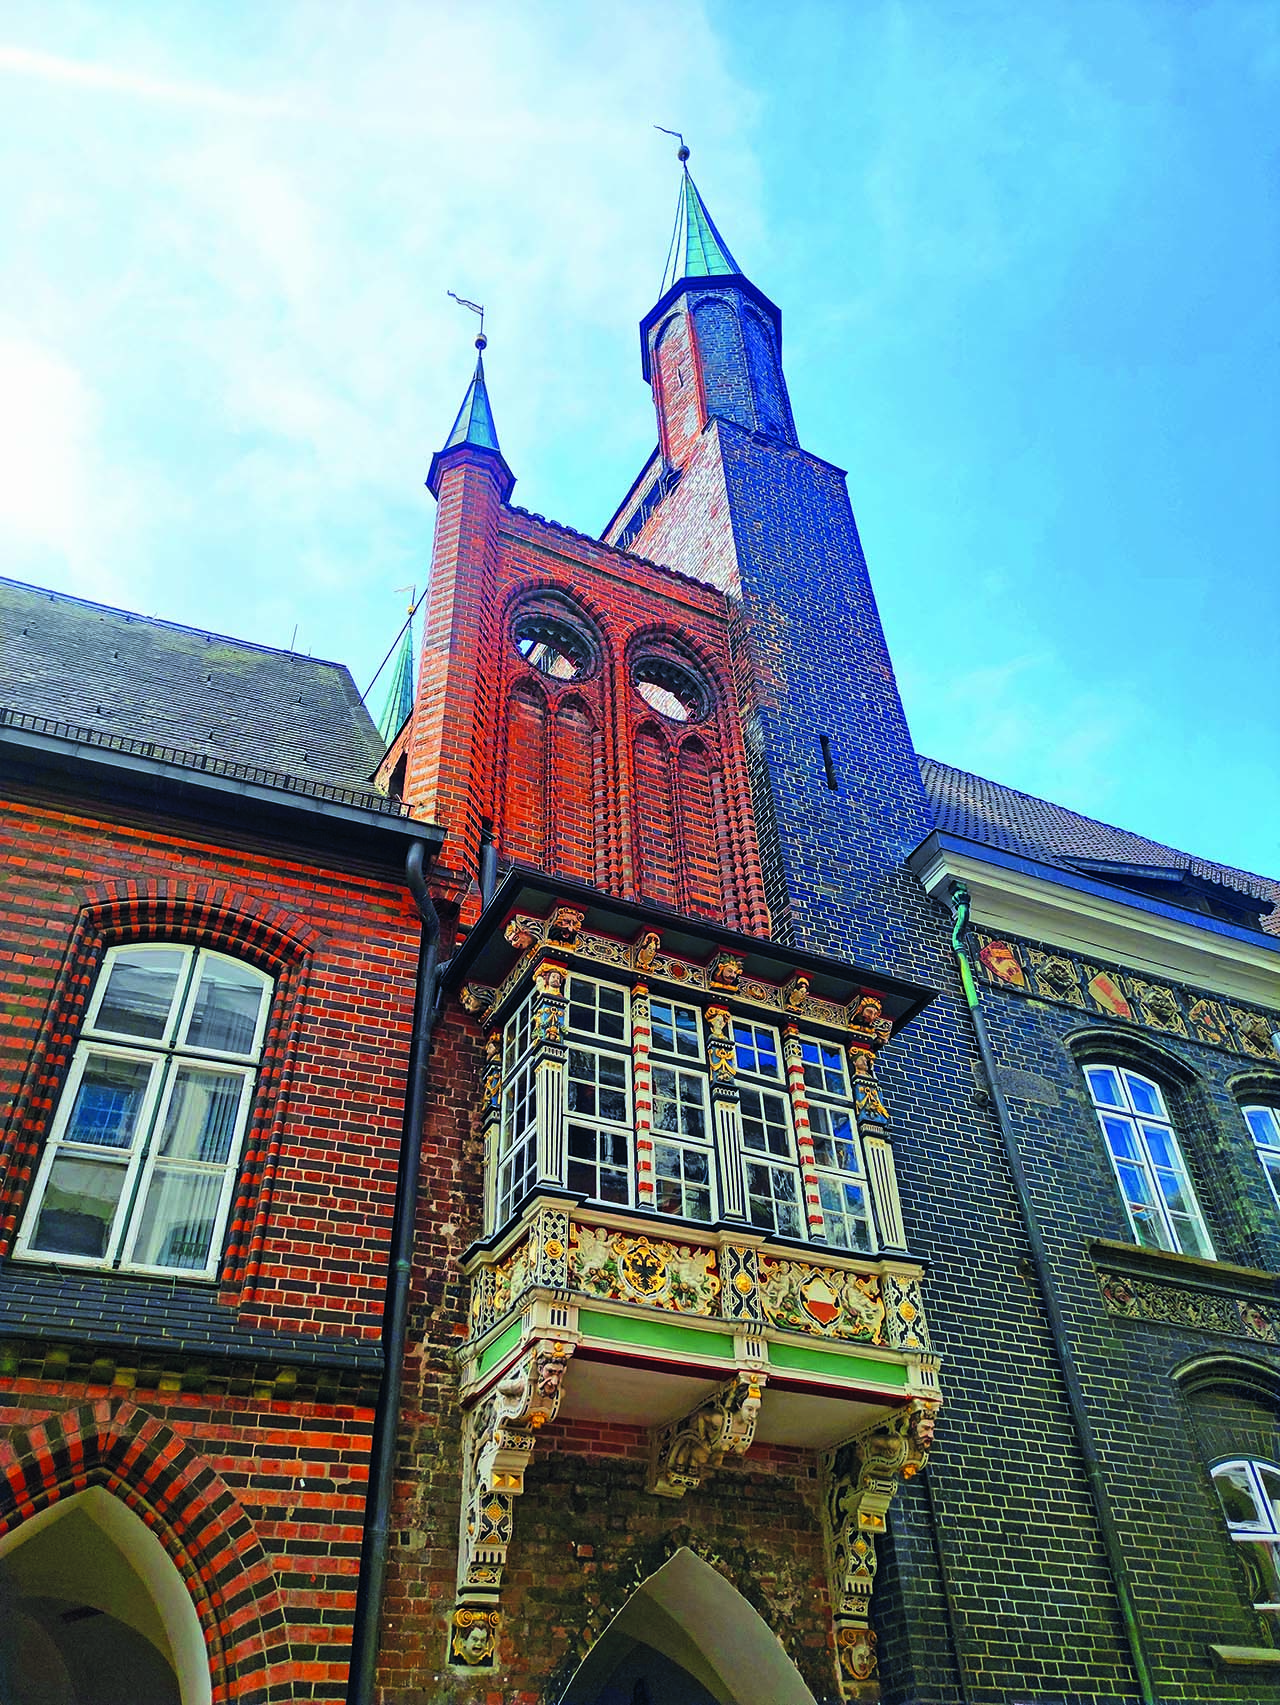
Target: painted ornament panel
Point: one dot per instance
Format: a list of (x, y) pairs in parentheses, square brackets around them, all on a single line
[(803, 1298)]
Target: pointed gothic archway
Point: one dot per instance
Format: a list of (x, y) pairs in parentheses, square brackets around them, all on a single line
[(93, 1609), (687, 1637)]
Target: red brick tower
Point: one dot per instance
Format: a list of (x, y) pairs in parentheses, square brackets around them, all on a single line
[(579, 698)]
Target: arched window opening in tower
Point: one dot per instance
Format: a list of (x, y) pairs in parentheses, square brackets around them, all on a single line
[(554, 646), (671, 688)]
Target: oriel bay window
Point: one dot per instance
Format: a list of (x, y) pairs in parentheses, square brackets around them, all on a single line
[(141, 1160), (641, 1101)]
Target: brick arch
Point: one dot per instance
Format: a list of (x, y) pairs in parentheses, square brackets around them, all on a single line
[(542, 591), (597, 1608), (196, 913), (190, 1509)]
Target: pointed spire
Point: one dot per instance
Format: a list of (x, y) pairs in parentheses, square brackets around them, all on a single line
[(697, 248), (395, 712), (474, 424), (474, 429)]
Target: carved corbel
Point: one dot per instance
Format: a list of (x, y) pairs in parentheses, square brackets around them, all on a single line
[(868, 1023), (564, 925), (498, 1440), (721, 1053), (859, 1482), (725, 1425)]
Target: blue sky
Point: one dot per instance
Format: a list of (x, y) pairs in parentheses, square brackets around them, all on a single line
[(1027, 262)]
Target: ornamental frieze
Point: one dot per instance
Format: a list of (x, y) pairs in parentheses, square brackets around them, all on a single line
[(1167, 1009), (805, 1298), (1178, 1305), (531, 936), (609, 1264)]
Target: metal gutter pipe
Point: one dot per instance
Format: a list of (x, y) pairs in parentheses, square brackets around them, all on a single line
[(395, 1313), (1116, 1563), (488, 862)]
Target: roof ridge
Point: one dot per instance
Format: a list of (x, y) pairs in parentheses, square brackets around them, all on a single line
[(54, 596)]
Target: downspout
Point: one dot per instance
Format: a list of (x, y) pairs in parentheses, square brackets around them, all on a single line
[(1102, 1510), (395, 1314), (488, 862)]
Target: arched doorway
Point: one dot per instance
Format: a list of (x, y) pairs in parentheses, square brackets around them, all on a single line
[(93, 1612), (687, 1637)]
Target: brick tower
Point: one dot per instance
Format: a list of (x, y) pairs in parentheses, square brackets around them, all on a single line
[(731, 498)]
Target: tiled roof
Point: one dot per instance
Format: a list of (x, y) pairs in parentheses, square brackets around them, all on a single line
[(997, 816), (141, 679)]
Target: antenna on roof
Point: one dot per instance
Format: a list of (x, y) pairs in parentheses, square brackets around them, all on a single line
[(476, 308)]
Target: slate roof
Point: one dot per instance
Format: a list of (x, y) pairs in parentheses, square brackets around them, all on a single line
[(997, 816), (140, 679)]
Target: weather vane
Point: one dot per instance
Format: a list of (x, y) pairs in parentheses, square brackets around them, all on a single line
[(476, 308), (682, 152)]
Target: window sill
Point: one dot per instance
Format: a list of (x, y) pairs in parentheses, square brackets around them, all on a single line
[(1245, 1657), (1191, 1270)]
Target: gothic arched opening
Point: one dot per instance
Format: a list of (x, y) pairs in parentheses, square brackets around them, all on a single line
[(93, 1612), (687, 1637)]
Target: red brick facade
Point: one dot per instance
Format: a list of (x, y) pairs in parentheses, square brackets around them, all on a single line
[(579, 776), (251, 1470)]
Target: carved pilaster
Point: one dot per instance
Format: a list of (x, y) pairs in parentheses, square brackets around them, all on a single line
[(548, 1035), (873, 1128), (859, 1481), (725, 1425), (498, 1439), (490, 1122), (722, 1062)]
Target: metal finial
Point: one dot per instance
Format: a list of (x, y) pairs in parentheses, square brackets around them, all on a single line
[(482, 341), (682, 152)]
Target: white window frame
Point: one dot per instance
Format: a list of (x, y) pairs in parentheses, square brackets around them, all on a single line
[(599, 1122), (166, 1055), (594, 1037), (1264, 1531), (1161, 1221), (1264, 1126), (681, 1141), (832, 1102)]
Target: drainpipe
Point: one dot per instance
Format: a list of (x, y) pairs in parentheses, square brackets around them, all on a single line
[(488, 862), (395, 1313), (1111, 1542)]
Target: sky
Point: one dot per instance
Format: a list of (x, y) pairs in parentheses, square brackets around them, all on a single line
[(1027, 262)]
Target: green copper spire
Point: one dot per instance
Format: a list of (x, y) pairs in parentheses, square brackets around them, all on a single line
[(395, 713), (474, 424), (473, 430), (697, 248)]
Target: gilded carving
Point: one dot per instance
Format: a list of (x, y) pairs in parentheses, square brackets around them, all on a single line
[(740, 1294), (805, 1298), (721, 1055), (859, 1482), (477, 998), (647, 949), (523, 932), (564, 925), (1209, 1022), (904, 1313), (725, 972), (1255, 1033), (869, 1109), (498, 1440), (1158, 1007), (492, 1090), (795, 992), (473, 1636), (626, 1269), (687, 1450), (1056, 977), (867, 1021)]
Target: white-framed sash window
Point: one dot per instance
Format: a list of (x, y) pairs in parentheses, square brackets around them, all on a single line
[(1149, 1166), (140, 1166)]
